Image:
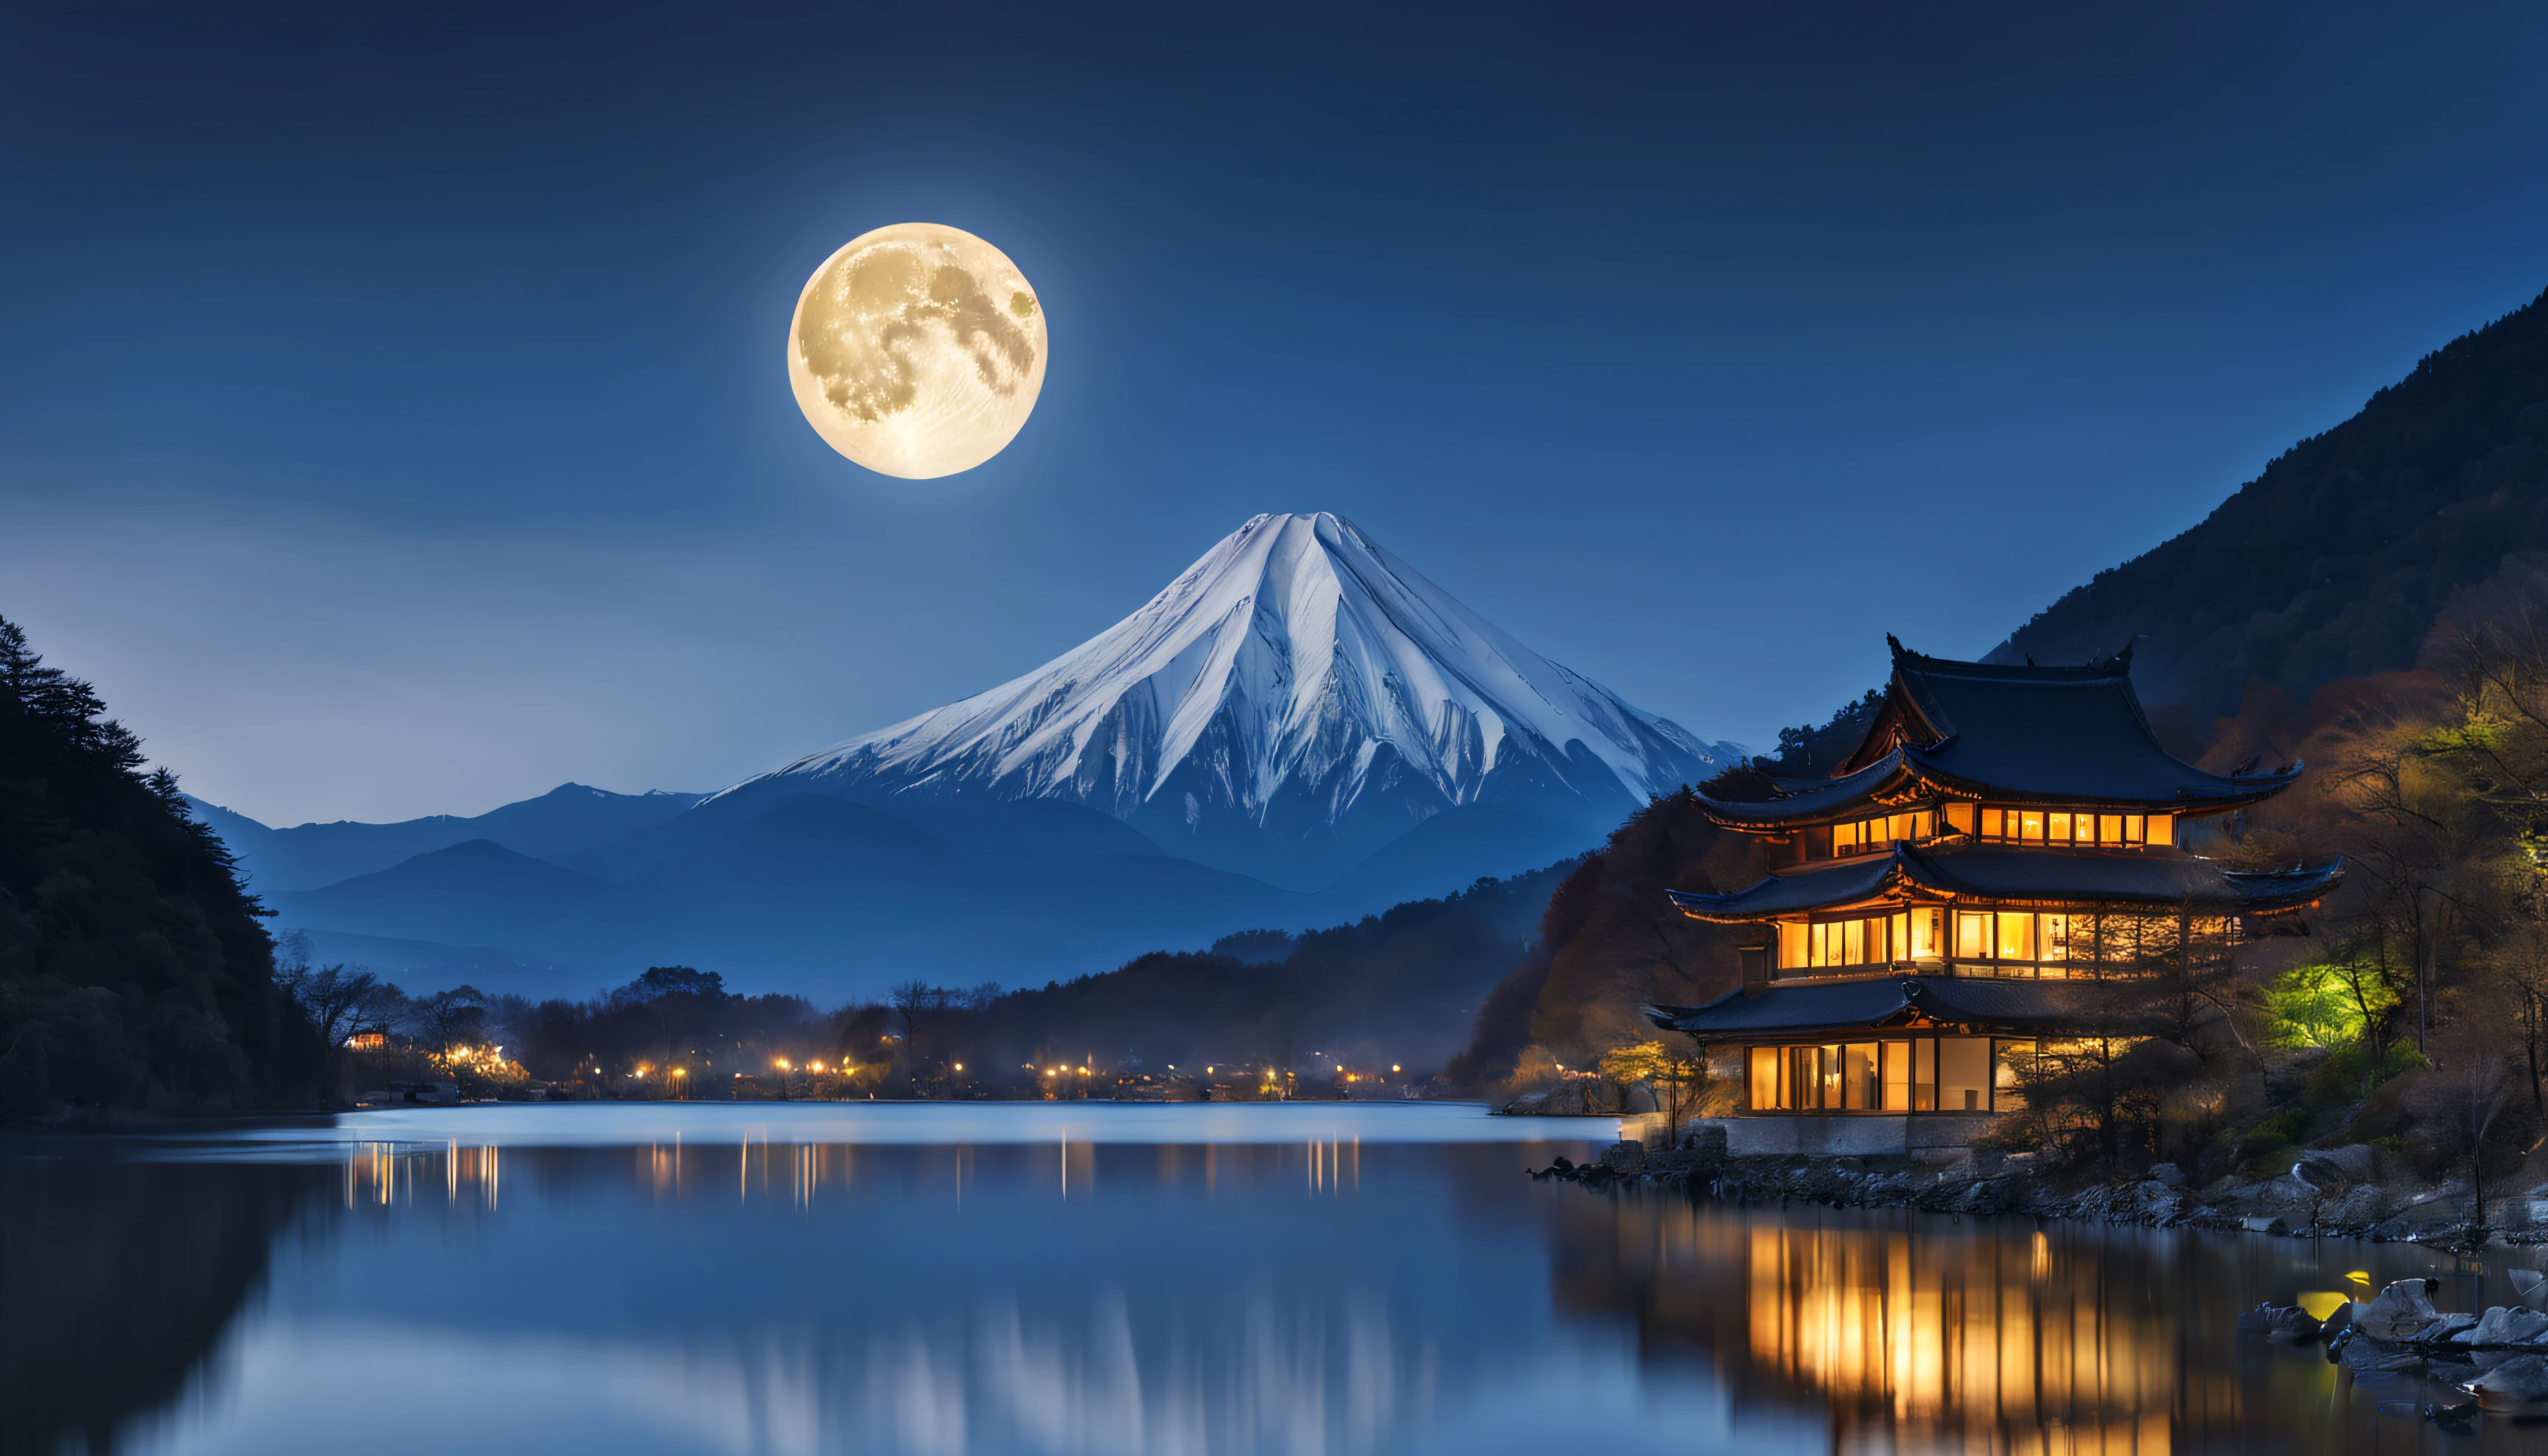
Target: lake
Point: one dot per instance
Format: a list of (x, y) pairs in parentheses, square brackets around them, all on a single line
[(1087, 1277)]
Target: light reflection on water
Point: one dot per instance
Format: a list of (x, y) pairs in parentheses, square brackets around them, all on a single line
[(1332, 1282)]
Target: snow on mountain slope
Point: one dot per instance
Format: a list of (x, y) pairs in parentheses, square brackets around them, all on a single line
[(1299, 684)]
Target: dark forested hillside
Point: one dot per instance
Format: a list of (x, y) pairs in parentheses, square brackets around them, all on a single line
[(2335, 561), (134, 974), (1610, 943), (1401, 986)]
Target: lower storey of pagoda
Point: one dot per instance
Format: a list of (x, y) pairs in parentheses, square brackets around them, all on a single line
[(1890, 1074)]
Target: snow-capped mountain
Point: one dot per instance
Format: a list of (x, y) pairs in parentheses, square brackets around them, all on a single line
[(1292, 702)]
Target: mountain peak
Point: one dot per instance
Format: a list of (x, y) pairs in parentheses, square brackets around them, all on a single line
[(1295, 677)]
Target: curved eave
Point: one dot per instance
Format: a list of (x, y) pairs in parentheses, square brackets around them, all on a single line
[(1908, 775), (1971, 1004), (1906, 876), (2209, 793), (1818, 803), (2283, 890)]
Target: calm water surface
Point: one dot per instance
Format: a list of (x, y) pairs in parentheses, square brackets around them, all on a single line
[(1093, 1278)]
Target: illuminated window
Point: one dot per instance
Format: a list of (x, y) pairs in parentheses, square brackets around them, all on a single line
[(1925, 938), (1959, 817), (1963, 1074), (1880, 832), (2056, 937), (1898, 1076), (1972, 934), (1804, 1078), (1763, 1082), (2016, 936), (1792, 943), (2009, 1062), (2065, 827), (1853, 942), (1860, 1086)]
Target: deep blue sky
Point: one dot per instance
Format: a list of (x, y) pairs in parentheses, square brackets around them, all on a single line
[(393, 419)]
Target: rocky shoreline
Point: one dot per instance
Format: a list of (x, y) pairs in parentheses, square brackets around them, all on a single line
[(2347, 1193), (2499, 1358)]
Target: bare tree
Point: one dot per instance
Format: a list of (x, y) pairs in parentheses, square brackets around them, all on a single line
[(2521, 961), (341, 1002), (446, 1019), (2466, 1097)]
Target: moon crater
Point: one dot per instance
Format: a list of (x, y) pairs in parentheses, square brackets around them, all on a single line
[(917, 350)]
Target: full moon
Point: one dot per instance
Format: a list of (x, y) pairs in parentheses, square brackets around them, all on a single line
[(917, 350)]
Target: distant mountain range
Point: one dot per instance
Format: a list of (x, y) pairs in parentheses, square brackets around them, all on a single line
[(2335, 561), (1300, 730)]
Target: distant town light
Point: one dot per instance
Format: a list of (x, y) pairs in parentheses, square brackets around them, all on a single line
[(959, 1066), (1393, 1067)]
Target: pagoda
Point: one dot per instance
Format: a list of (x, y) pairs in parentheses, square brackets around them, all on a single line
[(1996, 867)]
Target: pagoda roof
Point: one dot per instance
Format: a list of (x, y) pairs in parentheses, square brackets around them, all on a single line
[(2072, 735), (1873, 1003), (1993, 876)]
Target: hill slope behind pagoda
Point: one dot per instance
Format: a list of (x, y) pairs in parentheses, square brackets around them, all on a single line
[(2336, 560)]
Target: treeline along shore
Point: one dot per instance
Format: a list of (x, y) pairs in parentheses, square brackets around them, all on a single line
[(1367, 1009)]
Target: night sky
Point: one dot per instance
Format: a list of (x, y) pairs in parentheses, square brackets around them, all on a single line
[(393, 417)]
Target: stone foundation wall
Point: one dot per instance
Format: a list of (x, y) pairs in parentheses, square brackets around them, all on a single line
[(1920, 1138)]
